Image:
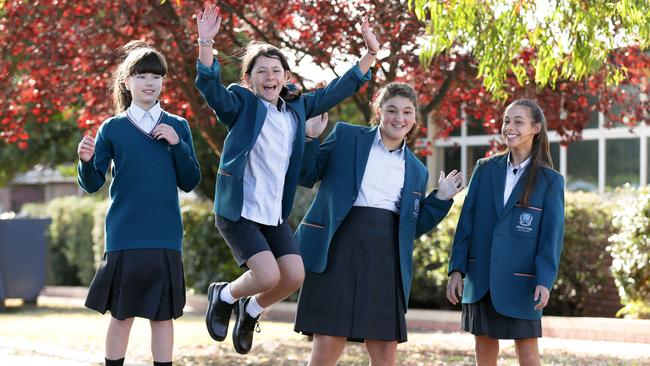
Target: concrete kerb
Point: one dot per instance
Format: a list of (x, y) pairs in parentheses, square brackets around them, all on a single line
[(419, 320)]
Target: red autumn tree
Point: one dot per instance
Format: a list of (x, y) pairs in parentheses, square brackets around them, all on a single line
[(56, 59)]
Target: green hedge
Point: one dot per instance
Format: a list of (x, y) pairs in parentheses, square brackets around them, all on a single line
[(70, 256), (76, 242), (630, 250), (430, 259), (77, 232), (584, 265), (587, 227), (206, 256)]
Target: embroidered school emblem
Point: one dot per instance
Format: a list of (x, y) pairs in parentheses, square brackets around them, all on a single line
[(525, 224), (525, 219)]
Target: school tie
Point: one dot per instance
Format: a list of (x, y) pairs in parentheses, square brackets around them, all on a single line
[(514, 171)]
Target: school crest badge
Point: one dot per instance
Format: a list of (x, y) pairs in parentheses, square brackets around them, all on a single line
[(525, 219)]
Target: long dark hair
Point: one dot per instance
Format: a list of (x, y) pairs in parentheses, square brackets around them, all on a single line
[(256, 49), (137, 57), (540, 154), (392, 90)]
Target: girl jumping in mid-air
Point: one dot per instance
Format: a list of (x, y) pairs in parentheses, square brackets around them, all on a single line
[(259, 170)]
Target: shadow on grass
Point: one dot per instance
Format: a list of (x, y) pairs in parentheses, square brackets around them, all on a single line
[(298, 354)]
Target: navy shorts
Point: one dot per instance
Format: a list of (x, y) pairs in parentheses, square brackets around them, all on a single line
[(247, 238)]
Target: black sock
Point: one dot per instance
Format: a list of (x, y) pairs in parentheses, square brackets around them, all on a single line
[(119, 362), (156, 363)]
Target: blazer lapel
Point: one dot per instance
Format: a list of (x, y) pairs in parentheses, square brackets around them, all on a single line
[(260, 116), (406, 208), (364, 143), (499, 182), (514, 196), (299, 141)]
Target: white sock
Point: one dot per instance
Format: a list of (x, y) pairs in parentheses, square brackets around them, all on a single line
[(253, 308), (226, 296)]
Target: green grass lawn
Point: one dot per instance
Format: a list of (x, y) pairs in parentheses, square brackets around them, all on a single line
[(66, 331)]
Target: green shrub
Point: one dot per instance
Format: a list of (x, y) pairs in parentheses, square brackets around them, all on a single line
[(76, 242), (430, 260), (584, 265), (587, 227), (301, 202), (98, 232), (630, 250), (69, 252), (206, 256), (59, 271)]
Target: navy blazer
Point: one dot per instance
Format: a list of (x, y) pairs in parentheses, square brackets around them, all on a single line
[(340, 162), (509, 250), (243, 113)]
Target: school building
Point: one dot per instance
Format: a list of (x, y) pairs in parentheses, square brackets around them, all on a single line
[(605, 158)]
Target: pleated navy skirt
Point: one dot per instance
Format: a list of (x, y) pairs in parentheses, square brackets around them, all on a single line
[(145, 283), (359, 295), (482, 319)]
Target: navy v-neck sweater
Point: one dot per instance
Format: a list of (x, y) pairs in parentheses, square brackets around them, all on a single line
[(144, 210)]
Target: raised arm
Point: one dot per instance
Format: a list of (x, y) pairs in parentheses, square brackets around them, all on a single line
[(322, 99), (436, 205), (372, 47), (226, 104), (316, 158), (208, 23)]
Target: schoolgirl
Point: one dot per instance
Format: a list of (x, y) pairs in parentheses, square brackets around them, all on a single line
[(152, 155), (258, 171), (508, 241), (357, 237)]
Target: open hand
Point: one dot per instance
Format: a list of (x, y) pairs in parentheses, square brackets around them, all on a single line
[(368, 37), (450, 185), (208, 22)]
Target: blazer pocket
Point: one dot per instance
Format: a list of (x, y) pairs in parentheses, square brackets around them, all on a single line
[(519, 274), (525, 221), (530, 207), (223, 172), (311, 224)]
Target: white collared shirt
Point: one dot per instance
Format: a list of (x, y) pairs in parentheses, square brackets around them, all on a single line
[(512, 178), (383, 178), (267, 166), (144, 120)]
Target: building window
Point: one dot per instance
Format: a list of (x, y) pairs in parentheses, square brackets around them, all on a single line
[(622, 162), (473, 154), (582, 166), (452, 158), (555, 155), (475, 127)]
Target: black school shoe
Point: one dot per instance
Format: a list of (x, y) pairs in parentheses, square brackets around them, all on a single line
[(218, 313), (242, 335)]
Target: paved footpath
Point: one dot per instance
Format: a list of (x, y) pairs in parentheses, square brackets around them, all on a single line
[(426, 328)]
